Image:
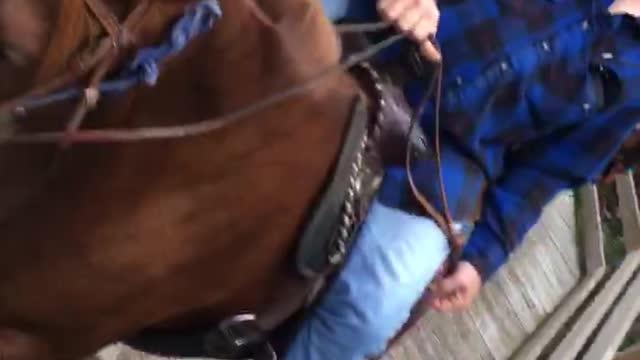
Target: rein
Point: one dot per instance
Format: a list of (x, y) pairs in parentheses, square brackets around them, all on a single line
[(145, 69)]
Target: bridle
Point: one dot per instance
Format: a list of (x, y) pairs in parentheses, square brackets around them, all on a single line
[(143, 68), (95, 65), (122, 36)]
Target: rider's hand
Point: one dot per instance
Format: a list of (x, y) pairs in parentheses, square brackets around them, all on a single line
[(457, 291), (416, 18), (620, 7)]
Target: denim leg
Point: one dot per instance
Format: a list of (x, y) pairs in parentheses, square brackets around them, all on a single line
[(335, 9), (393, 260), (362, 10)]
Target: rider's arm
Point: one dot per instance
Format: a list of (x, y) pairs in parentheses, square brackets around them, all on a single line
[(531, 179)]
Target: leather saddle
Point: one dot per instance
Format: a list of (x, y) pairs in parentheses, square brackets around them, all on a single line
[(387, 118)]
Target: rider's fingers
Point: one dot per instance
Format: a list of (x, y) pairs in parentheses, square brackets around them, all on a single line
[(429, 51), (408, 21), (423, 29), (441, 303), (393, 9), (460, 301)]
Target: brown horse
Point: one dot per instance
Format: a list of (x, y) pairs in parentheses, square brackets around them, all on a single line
[(99, 241)]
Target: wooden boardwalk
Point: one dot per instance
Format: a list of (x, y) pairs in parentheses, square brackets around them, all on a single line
[(512, 305)]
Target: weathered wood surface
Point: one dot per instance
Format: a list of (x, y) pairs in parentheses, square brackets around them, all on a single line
[(589, 320), (548, 330), (512, 305), (612, 333), (590, 228)]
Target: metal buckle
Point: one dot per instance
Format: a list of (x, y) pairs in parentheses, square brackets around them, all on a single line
[(239, 337)]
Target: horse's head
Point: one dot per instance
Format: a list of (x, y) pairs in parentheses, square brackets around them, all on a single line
[(101, 240)]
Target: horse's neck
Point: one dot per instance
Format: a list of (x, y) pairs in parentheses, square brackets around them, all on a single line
[(291, 40), (149, 221)]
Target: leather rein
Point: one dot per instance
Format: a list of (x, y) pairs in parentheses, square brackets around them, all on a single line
[(123, 35)]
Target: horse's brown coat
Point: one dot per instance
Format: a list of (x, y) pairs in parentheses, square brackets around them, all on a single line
[(108, 239)]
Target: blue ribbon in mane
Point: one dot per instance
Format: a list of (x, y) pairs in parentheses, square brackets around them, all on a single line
[(145, 66)]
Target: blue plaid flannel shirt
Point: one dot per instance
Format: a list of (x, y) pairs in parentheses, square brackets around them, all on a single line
[(522, 115)]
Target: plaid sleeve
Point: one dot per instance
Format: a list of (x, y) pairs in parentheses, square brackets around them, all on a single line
[(533, 176), (511, 208)]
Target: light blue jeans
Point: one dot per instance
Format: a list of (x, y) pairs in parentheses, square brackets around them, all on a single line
[(394, 258), (363, 10)]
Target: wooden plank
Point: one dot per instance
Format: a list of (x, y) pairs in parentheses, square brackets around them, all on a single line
[(500, 328), (612, 333), (587, 322), (548, 259), (470, 334), (568, 273), (559, 222), (429, 336), (534, 282), (629, 212), (404, 351), (448, 335), (544, 334), (525, 311), (590, 227), (459, 329), (425, 345)]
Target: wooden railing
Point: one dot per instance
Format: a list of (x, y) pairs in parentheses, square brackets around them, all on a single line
[(593, 320)]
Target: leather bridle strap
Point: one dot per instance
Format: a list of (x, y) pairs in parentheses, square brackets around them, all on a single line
[(106, 17), (444, 221), (98, 58), (120, 38)]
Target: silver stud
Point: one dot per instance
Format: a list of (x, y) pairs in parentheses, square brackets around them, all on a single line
[(348, 208), (335, 257), (459, 80), (585, 25), (357, 185), (504, 65), (344, 234), (607, 56), (346, 221), (586, 106), (350, 193)]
